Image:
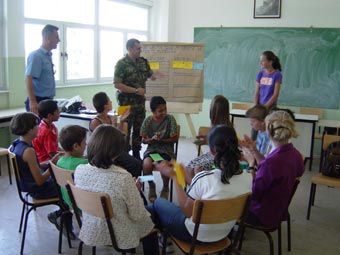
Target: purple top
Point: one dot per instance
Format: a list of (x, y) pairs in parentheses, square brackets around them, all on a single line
[(274, 183), (267, 84)]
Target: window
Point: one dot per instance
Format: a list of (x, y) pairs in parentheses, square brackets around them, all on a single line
[(92, 41), (2, 41)]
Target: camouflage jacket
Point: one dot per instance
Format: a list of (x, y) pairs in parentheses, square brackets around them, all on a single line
[(132, 74)]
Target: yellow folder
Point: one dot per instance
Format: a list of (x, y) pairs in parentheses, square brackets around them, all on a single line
[(122, 109), (180, 174)]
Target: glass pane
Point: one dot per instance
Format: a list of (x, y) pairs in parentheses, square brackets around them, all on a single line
[(119, 15), (111, 50), (140, 37), (33, 40), (81, 11), (80, 50)]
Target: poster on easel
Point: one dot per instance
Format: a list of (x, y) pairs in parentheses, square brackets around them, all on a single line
[(183, 67)]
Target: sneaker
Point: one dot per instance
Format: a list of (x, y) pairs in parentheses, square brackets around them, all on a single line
[(165, 193), (52, 217), (169, 246), (152, 193), (70, 231)]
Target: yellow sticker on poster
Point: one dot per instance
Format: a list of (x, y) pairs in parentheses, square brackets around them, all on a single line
[(182, 64), (154, 65)]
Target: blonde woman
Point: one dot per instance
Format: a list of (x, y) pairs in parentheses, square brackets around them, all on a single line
[(275, 177)]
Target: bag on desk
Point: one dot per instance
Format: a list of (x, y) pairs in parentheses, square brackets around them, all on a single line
[(331, 163)]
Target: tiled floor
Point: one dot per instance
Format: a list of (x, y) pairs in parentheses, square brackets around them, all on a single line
[(320, 235)]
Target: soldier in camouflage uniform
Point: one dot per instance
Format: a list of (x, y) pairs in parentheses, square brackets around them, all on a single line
[(130, 75)]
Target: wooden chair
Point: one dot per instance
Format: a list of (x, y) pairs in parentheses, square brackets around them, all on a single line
[(202, 132), (267, 231), (60, 177), (4, 152), (314, 111), (213, 212), (320, 178), (27, 204), (96, 204), (241, 106)]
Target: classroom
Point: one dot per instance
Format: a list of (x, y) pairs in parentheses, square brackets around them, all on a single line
[(177, 21)]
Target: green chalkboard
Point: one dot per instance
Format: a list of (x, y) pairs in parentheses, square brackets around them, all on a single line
[(310, 58)]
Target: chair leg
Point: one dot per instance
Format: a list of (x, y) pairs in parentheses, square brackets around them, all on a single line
[(9, 170), (271, 244), (80, 248), (279, 238), (289, 233), (241, 238), (22, 217), (314, 190), (25, 228), (311, 199), (60, 242)]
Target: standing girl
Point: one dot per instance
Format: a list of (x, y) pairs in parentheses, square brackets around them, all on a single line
[(268, 80)]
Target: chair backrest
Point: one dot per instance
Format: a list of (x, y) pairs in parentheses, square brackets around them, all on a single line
[(220, 211), (176, 143), (94, 203), (61, 175), (15, 169), (90, 202), (203, 131), (241, 106), (313, 111), (328, 139), (296, 184)]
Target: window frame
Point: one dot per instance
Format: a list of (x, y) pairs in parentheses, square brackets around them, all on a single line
[(2, 48), (62, 46)]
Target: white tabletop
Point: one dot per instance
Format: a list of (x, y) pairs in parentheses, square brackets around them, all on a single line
[(329, 123), (9, 113), (298, 116)]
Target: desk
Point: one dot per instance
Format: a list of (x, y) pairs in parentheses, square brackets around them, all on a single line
[(7, 114), (329, 123), (80, 119), (305, 126)]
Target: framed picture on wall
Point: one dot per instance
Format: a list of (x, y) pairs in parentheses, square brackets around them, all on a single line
[(267, 8)]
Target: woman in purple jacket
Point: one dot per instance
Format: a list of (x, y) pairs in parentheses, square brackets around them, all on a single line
[(275, 177)]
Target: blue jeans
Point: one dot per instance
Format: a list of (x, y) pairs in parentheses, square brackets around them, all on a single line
[(167, 215)]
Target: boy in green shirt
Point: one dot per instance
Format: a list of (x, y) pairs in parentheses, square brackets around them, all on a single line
[(72, 139)]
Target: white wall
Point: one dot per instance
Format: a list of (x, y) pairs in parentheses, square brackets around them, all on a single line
[(187, 14)]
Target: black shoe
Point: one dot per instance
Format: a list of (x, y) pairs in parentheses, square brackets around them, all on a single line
[(52, 217), (70, 231)]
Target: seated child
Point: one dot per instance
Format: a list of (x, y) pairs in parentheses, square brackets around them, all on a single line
[(35, 179), (159, 132), (103, 105), (131, 220), (262, 146), (72, 139), (46, 142), (226, 181), (219, 115)]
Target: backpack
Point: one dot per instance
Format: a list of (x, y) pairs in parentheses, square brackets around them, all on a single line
[(331, 163)]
